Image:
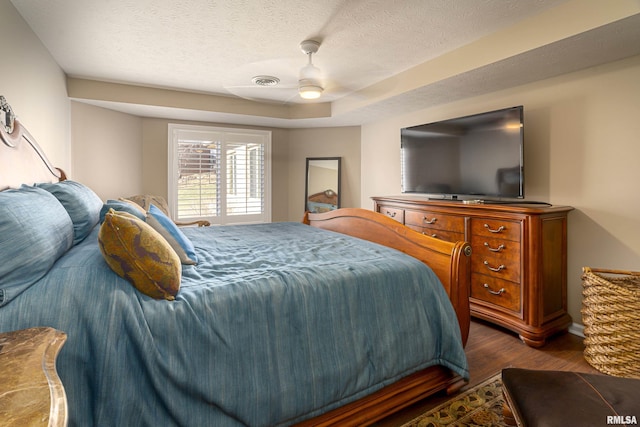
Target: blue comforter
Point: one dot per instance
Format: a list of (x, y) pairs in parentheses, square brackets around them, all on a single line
[(277, 323)]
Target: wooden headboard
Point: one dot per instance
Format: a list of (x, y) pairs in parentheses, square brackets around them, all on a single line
[(22, 161)]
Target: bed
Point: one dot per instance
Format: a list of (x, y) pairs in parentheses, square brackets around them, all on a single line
[(322, 202), (341, 319)]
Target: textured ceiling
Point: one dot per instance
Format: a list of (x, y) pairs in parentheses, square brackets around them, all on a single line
[(216, 47)]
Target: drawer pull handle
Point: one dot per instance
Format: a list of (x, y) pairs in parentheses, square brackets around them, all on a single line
[(391, 214), (492, 230), (429, 221), (498, 249), (430, 235), (492, 292), (499, 268)]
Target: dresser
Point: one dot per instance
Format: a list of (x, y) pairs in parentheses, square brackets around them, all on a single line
[(518, 260), (31, 393)]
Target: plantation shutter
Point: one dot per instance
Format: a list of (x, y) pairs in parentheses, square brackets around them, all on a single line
[(245, 172), (198, 178), (219, 174)]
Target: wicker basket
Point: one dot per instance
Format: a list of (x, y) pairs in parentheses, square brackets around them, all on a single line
[(611, 318)]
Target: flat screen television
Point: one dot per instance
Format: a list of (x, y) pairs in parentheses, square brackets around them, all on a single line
[(472, 157)]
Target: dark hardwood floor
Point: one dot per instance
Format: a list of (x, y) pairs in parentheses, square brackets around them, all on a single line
[(491, 348)]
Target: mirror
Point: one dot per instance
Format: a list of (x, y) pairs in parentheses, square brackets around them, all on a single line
[(322, 189)]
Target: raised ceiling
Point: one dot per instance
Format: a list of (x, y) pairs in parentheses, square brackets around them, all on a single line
[(194, 59)]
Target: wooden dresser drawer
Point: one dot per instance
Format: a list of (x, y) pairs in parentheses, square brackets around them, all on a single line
[(445, 235), (393, 213), (436, 220), (496, 257), (495, 291), (509, 230)]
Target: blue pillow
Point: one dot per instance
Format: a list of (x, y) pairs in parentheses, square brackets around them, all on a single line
[(82, 204), (170, 231), (35, 230), (120, 206)]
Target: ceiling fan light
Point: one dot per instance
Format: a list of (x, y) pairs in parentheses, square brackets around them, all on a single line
[(309, 84), (309, 91)]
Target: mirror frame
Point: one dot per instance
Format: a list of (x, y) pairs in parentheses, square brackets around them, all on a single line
[(338, 189)]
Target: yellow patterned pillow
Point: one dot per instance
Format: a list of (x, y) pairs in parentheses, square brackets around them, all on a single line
[(138, 253)]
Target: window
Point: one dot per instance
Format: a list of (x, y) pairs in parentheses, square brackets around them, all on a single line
[(219, 174)]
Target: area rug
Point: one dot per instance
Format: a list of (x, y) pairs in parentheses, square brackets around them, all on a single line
[(478, 406)]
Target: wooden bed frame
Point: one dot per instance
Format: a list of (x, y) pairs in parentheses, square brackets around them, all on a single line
[(22, 161), (450, 262)]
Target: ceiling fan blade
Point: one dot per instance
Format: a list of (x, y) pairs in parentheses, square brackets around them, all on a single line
[(340, 17), (258, 87)]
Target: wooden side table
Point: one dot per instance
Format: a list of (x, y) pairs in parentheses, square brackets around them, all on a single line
[(31, 393)]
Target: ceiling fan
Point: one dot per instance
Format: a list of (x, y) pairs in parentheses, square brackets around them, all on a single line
[(309, 83)]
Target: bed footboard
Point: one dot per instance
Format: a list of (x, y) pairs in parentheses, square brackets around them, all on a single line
[(450, 261), (390, 399), (452, 264)]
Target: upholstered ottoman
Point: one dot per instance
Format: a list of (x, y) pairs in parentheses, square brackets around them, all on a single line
[(556, 398)]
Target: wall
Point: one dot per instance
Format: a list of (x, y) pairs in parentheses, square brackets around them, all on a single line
[(103, 139), (35, 87), (582, 134), (289, 150), (321, 178), (107, 151), (324, 142)]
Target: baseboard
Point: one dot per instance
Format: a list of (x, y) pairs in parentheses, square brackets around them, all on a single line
[(577, 329)]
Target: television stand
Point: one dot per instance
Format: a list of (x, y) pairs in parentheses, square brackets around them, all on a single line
[(518, 260)]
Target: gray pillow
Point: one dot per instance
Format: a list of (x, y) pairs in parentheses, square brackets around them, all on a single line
[(35, 230)]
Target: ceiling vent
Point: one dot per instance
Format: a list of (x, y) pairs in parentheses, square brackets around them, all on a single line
[(265, 80)]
